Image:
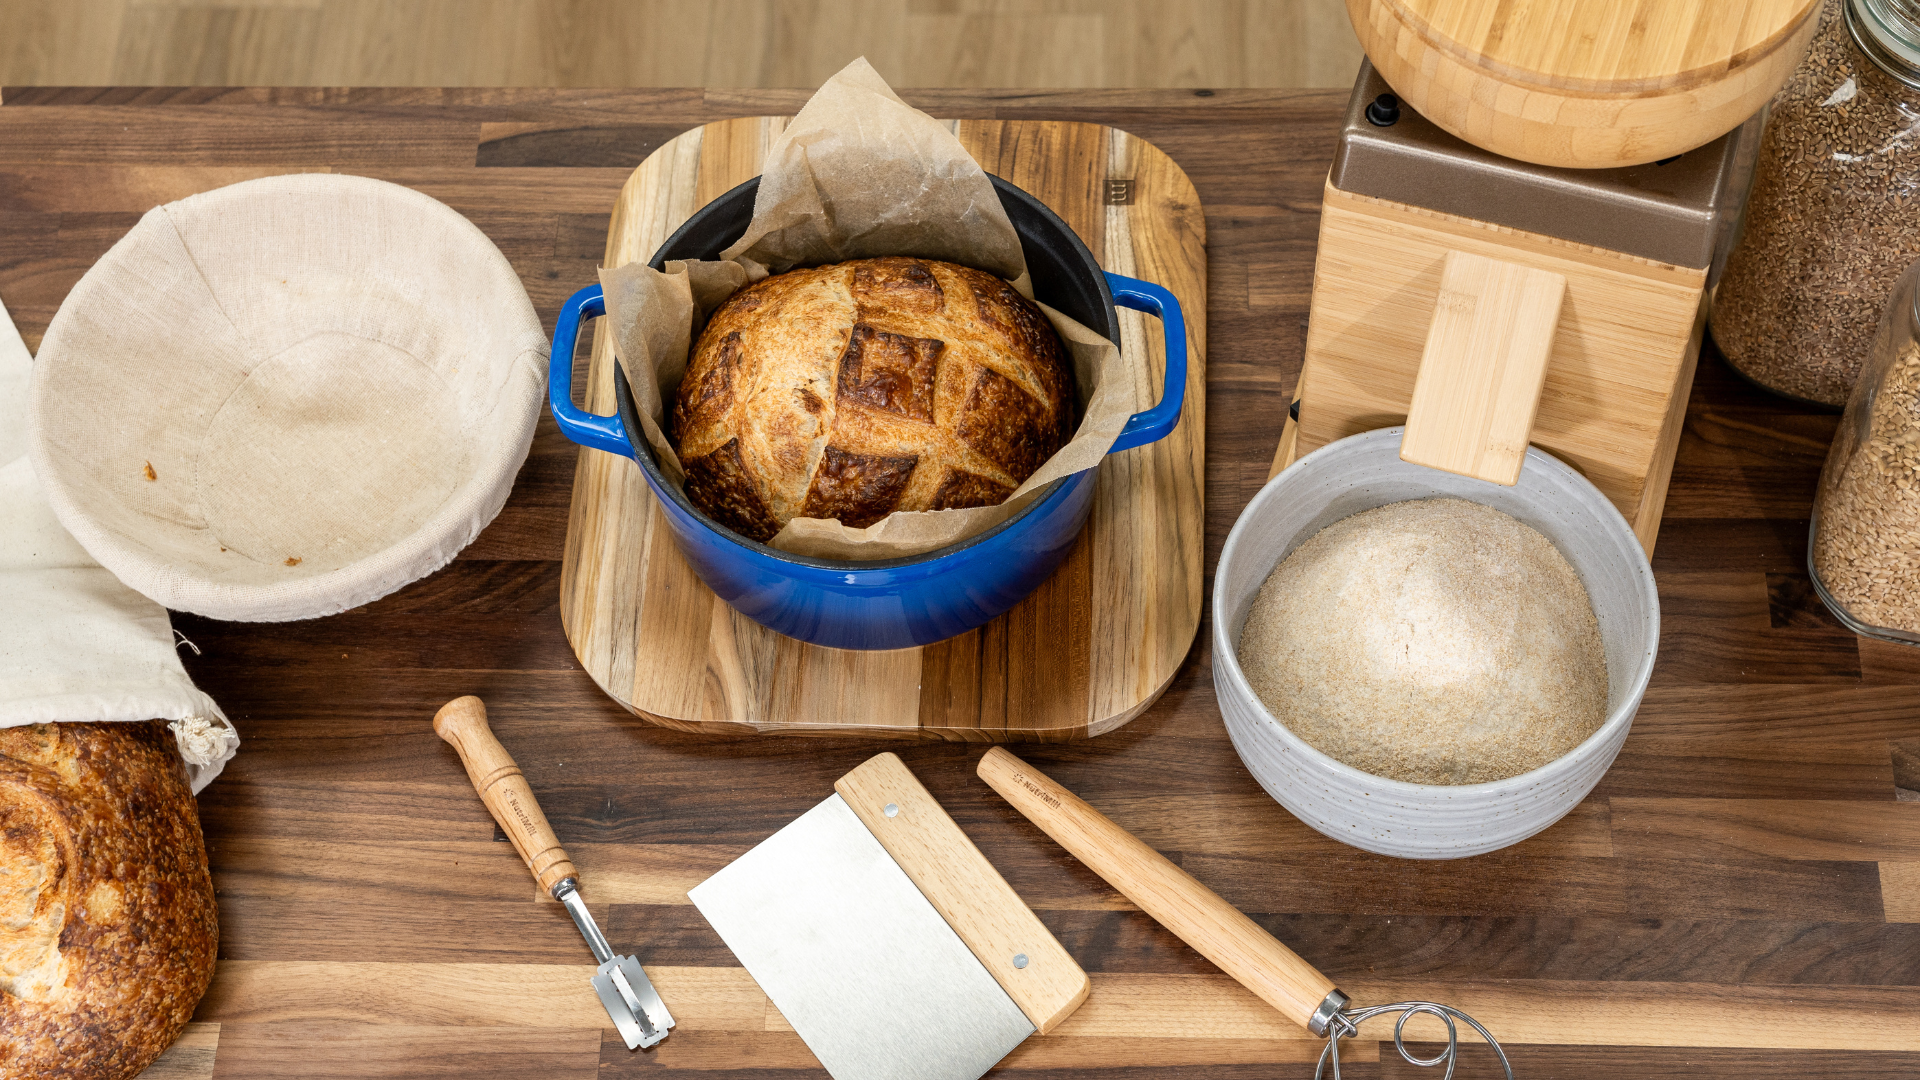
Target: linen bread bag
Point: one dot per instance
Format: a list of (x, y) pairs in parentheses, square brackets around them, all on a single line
[(108, 927)]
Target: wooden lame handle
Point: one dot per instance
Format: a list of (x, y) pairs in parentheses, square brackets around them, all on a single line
[(463, 722), (1216, 929), (1484, 366), (1004, 934)]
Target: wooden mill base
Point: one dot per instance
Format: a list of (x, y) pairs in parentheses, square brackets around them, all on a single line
[(1088, 651), (1617, 378)]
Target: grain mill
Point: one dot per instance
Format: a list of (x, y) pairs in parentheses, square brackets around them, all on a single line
[(1525, 216)]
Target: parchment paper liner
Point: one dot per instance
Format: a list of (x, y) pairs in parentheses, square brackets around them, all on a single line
[(857, 174)]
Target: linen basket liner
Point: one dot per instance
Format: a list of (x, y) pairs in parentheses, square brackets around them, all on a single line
[(287, 397)]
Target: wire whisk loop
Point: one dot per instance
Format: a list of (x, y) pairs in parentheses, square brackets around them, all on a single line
[(1346, 1024)]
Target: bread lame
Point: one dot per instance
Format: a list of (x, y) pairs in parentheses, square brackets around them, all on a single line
[(887, 940), (624, 989)]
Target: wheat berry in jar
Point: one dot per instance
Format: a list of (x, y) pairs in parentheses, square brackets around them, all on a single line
[(1834, 216)]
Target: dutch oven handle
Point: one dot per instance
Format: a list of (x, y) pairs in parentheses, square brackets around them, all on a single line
[(609, 434), (1158, 422), (599, 432)]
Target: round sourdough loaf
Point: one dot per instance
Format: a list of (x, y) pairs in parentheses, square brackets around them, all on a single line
[(107, 923), (854, 390)]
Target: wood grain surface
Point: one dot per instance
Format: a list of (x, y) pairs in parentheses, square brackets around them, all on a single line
[(1583, 85), (1083, 654), (1174, 899), (1375, 293), (503, 789), (1483, 367), (933, 851), (982, 43), (1740, 896)]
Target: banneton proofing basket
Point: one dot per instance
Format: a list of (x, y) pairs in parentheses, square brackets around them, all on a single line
[(1423, 821), (287, 397), (896, 603)]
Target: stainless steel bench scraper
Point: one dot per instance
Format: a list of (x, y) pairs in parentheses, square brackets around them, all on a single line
[(887, 940)]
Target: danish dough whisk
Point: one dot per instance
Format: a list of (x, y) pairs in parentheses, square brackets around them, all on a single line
[(1216, 929)]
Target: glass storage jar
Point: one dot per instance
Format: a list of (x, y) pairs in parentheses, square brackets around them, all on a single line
[(1834, 215), (1864, 545)]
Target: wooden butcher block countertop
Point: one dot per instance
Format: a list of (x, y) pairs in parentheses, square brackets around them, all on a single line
[(1740, 895)]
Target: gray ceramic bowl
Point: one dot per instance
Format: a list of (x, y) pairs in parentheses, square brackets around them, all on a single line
[(1421, 821)]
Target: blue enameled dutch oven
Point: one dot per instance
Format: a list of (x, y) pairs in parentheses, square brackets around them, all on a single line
[(897, 603)]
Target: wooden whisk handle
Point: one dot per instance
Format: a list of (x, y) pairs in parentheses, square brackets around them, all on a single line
[(463, 723), (1216, 929)]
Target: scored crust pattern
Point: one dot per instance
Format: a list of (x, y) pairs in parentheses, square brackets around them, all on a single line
[(854, 390)]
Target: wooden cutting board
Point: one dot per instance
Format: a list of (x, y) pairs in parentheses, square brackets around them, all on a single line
[(1088, 651)]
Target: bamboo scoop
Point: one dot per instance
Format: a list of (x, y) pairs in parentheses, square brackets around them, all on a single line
[(1216, 929)]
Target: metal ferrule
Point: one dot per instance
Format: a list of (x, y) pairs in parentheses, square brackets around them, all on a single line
[(1331, 1006), (567, 891)]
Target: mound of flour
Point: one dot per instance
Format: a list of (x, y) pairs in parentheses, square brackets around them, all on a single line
[(1436, 641)]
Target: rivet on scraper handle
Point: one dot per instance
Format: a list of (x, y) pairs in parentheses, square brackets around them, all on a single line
[(623, 986), (1198, 916)]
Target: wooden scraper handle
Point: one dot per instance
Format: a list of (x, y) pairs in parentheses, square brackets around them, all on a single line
[(463, 723), (1216, 929)]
